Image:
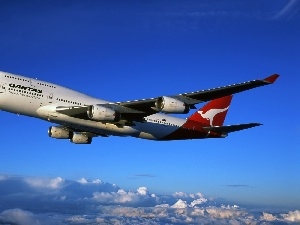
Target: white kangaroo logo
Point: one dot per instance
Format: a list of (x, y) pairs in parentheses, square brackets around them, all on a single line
[(210, 114)]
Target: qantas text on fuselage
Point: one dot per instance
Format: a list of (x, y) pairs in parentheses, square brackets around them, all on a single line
[(79, 117)]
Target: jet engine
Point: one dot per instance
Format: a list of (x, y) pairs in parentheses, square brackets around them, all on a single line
[(59, 132), (79, 138), (171, 105), (101, 113)]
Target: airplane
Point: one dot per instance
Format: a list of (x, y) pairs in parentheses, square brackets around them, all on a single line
[(79, 117)]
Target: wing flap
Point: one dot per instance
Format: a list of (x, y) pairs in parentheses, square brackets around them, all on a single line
[(231, 128), (72, 110)]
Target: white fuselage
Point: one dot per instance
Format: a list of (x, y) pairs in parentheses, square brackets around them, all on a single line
[(35, 98)]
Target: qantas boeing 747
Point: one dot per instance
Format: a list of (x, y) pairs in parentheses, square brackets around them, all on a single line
[(79, 117)]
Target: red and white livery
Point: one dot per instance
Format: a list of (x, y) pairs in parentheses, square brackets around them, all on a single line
[(79, 117)]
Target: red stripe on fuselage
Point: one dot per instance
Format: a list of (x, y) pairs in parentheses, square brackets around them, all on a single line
[(191, 130)]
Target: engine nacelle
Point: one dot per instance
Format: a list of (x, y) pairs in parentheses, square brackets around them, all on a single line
[(59, 132), (101, 113), (79, 138), (171, 105)]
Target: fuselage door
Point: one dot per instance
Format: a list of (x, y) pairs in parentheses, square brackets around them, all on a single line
[(33, 83), (2, 88), (50, 97)]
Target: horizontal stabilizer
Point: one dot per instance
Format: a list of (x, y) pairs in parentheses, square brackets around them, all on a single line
[(231, 128)]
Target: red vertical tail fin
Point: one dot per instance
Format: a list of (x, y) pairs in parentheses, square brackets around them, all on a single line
[(213, 113)]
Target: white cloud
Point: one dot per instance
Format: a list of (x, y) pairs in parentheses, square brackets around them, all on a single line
[(58, 201), (123, 197), (268, 217), (82, 181), (120, 196), (198, 212), (45, 182), (180, 204), (77, 219), (97, 181), (195, 199), (229, 207), (292, 216), (163, 206), (198, 201), (142, 190), (18, 216), (85, 181), (197, 195), (180, 194), (224, 213), (23, 217)]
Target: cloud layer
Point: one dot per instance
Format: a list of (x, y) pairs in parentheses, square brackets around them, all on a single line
[(35, 201)]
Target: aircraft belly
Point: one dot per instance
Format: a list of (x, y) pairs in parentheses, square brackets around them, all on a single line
[(154, 131)]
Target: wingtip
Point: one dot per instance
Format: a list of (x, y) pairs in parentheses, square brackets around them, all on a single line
[(255, 124), (271, 79)]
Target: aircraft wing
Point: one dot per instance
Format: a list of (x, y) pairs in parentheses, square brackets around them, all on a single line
[(192, 98), (138, 109)]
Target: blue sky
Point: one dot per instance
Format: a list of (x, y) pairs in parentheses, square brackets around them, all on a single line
[(126, 50)]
